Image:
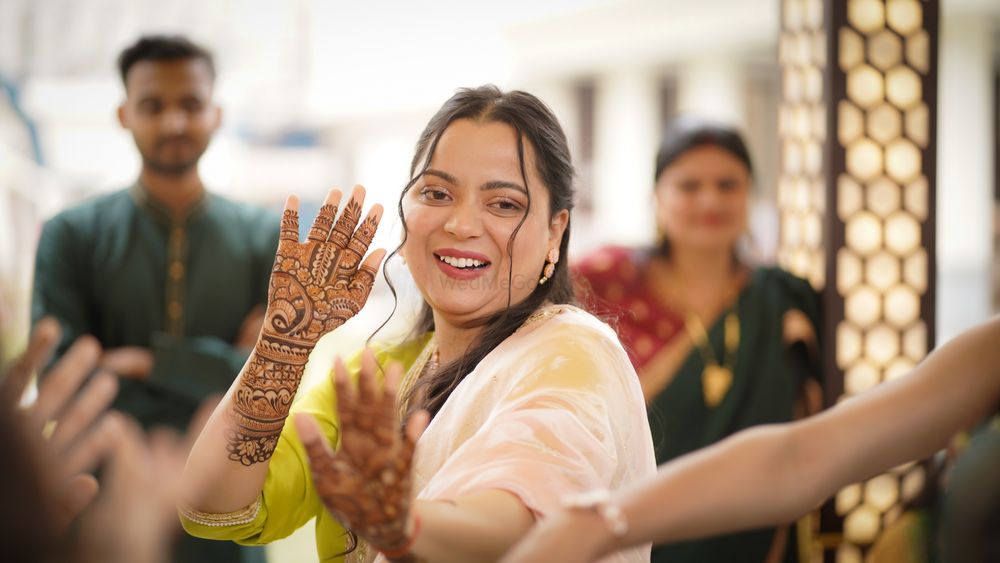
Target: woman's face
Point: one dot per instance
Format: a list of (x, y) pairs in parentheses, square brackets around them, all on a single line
[(460, 215), (701, 199)]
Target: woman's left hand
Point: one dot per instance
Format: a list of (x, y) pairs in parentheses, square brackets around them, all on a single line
[(366, 483)]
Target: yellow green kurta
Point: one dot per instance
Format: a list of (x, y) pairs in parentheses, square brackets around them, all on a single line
[(289, 500), (554, 410)]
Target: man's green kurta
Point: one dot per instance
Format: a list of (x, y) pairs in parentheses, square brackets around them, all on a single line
[(122, 268)]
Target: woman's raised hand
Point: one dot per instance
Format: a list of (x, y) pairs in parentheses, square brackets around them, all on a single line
[(366, 483), (315, 287), (319, 284)]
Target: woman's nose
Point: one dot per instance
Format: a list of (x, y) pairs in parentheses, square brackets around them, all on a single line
[(711, 196), (465, 222)]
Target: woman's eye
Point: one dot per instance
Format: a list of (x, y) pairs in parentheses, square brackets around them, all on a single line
[(728, 185), (192, 105), (506, 205), (434, 194)]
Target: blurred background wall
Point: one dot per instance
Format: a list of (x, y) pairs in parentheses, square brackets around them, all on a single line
[(321, 93)]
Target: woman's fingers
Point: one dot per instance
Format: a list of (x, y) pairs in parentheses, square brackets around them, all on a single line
[(63, 380), (317, 448), (43, 340), (416, 425), (290, 220), (364, 234), (323, 223), (84, 409), (346, 396), (390, 388), (367, 390), (370, 472), (344, 229), (365, 275)]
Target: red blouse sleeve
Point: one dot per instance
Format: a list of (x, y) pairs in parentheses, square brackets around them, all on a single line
[(609, 284)]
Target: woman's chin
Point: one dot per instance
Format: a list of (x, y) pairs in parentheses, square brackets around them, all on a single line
[(711, 243), (466, 306)]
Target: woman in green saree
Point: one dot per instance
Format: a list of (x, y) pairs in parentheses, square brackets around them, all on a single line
[(718, 344)]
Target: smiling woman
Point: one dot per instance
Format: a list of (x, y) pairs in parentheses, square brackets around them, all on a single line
[(719, 343), (460, 201), (525, 398)]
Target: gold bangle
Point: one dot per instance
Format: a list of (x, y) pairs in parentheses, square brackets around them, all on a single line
[(239, 517)]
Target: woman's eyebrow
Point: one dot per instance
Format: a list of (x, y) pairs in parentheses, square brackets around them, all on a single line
[(503, 185), (491, 185), (441, 174)]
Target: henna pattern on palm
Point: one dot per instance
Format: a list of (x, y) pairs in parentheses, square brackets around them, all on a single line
[(315, 287), (366, 484)]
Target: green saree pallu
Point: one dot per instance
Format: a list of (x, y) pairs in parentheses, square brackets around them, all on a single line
[(765, 379)]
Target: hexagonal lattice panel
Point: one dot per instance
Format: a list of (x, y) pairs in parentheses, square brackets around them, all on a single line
[(866, 16), (902, 160), (884, 123), (883, 197), (864, 159), (864, 232), (882, 271), (902, 306), (903, 87), (881, 344), (885, 50), (905, 17), (863, 306), (902, 234), (882, 201), (802, 127), (866, 86), (882, 492)]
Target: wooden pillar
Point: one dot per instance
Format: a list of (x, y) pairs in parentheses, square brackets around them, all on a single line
[(856, 194)]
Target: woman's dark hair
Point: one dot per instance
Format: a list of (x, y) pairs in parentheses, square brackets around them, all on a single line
[(535, 124), (684, 134)]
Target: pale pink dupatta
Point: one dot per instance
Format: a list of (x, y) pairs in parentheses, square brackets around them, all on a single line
[(555, 409)]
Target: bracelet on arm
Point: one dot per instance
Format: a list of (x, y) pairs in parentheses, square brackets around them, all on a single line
[(239, 517), (599, 501)]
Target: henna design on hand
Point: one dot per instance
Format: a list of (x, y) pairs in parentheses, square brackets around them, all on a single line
[(366, 484), (315, 287)]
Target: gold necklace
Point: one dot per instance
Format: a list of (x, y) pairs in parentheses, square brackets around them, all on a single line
[(429, 359), (716, 378), (427, 362)]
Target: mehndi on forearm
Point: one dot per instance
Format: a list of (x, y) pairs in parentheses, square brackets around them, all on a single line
[(315, 287)]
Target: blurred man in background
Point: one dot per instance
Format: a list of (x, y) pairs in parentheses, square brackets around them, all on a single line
[(171, 279)]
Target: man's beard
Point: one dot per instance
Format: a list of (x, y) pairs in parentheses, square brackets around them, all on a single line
[(175, 168), (170, 169)]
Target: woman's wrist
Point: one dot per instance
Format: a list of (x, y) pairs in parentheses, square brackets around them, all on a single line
[(401, 549), (604, 519), (586, 531)]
